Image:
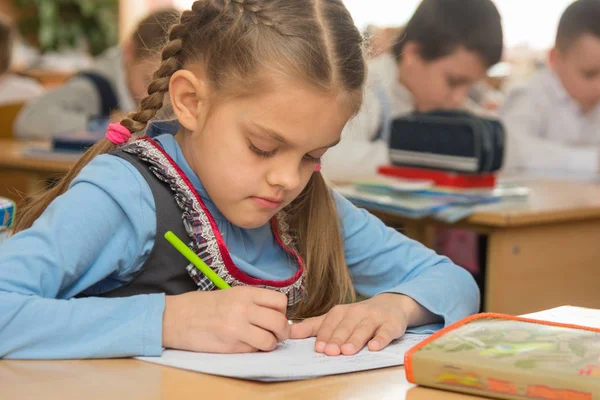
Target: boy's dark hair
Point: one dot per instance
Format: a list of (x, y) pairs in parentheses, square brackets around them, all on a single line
[(580, 18), (6, 40), (440, 27), (151, 33)]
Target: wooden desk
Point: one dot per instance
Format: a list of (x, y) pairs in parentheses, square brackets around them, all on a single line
[(132, 380), (541, 253), (47, 78), (23, 175)]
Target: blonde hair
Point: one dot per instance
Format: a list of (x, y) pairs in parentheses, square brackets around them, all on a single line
[(314, 41)]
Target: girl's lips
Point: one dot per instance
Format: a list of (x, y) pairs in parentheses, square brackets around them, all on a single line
[(268, 202)]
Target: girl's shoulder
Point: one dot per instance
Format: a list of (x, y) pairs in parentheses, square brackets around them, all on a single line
[(348, 213), (116, 176)]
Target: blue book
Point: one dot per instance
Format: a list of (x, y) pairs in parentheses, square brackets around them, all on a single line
[(409, 205), (72, 144), (502, 191), (81, 141), (7, 213)]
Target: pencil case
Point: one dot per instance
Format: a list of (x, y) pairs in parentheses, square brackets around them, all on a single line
[(454, 141), (507, 357)]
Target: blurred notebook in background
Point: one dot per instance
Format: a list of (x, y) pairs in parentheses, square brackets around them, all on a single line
[(70, 146), (7, 213), (7, 216), (420, 198), (407, 204), (385, 185)]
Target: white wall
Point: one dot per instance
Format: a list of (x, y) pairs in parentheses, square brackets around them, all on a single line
[(519, 25)]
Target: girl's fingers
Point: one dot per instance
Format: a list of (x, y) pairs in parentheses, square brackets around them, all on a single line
[(384, 335), (270, 320), (359, 338), (307, 328), (259, 339), (270, 299), (328, 326), (342, 332)]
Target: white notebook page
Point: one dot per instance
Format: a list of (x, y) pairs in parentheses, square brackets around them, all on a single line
[(569, 315), (291, 360)]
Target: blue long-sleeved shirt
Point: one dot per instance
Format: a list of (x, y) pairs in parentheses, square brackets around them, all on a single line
[(97, 235)]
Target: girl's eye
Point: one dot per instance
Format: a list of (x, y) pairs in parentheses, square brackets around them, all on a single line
[(312, 159), (270, 153), (261, 153)]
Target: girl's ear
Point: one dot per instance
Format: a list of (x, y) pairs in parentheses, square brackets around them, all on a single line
[(188, 98)]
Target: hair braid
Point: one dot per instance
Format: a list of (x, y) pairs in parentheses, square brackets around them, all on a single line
[(171, 62), (255, 12), (171, 54)]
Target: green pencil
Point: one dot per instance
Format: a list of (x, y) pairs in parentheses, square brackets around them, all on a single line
[(196, 261)]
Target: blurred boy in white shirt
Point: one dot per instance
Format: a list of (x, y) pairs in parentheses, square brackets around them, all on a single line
[(553, 122)]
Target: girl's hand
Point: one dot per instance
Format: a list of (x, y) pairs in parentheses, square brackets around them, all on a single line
[(236, 320), (375, 322)]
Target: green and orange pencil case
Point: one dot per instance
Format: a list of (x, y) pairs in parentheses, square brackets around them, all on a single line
[(507, 357)]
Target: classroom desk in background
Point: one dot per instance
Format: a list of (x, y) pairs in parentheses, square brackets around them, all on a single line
[(46, 77), (128, 379), (22, 175), (540, 253)]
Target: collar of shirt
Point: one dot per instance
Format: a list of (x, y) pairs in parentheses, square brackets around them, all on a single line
[(383, 76), (558, 90), (556, 87), (171, 146)]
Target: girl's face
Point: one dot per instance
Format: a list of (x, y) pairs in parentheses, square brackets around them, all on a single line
[(256, 154)]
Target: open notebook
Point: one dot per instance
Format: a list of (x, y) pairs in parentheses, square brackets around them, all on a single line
[(291, 360)]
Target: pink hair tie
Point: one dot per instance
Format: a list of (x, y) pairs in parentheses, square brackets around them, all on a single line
[(318, 167), (118, 134)]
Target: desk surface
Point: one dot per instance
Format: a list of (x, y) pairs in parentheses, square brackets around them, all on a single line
[(13, 157), (131, 380), (549, 201), (47, 77)]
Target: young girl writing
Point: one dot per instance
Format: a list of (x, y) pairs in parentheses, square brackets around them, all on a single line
[(261, 89)]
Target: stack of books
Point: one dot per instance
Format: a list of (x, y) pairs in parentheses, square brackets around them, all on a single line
[(417, 193)]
